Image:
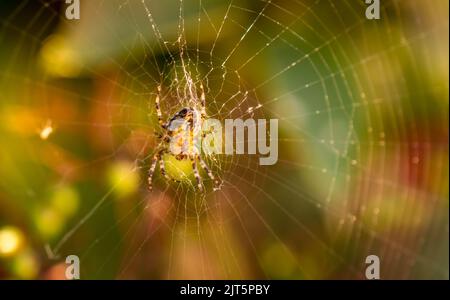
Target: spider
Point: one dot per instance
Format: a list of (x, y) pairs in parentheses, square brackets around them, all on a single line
[(181, 138)]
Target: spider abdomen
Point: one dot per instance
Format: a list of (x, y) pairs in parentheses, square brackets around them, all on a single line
[(184, 130)]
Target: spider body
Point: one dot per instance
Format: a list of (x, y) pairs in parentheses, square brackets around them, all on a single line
[(183, 132), (182, 139)]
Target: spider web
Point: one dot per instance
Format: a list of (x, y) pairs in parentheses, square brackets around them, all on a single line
[(357, 155)]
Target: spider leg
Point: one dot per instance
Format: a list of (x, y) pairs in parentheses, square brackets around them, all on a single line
[(162, 168), (203, 100), (196, 174), (158, 109), (208, 171), (151, 171)]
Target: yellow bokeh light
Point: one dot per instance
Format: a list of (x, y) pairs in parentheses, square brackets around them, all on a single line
[(65, 200), (11, 241), (124, 177), (49, 222), (26, 265), (58, 58)]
